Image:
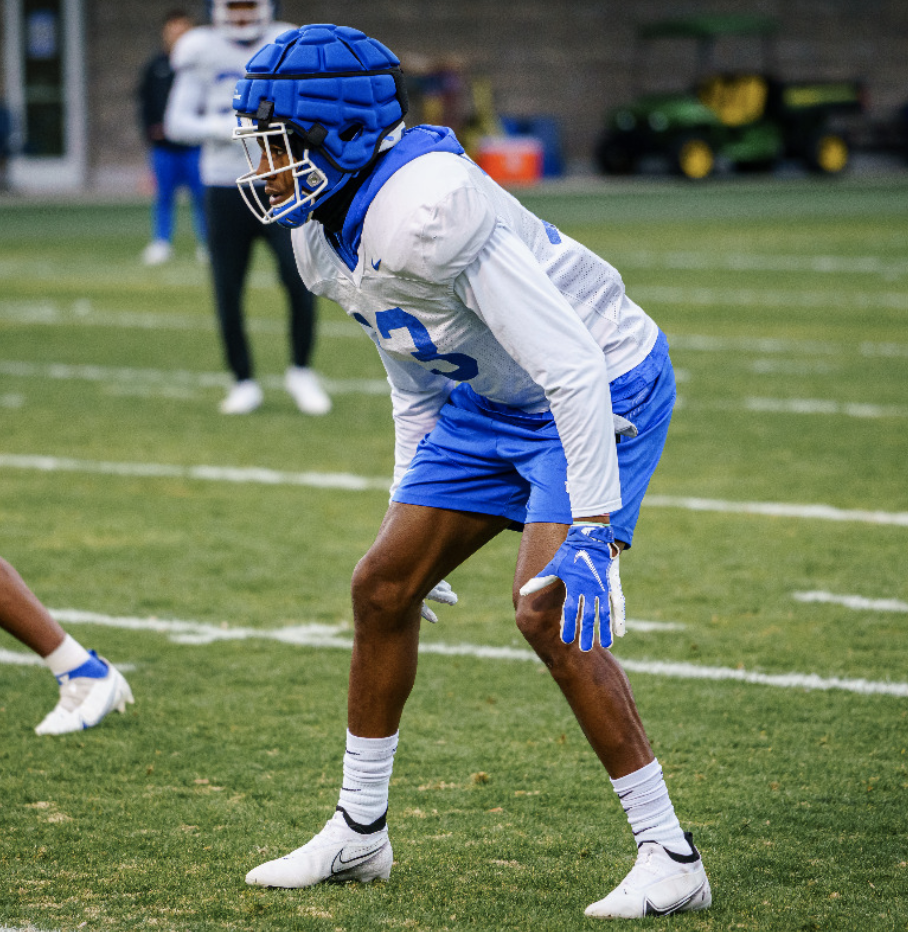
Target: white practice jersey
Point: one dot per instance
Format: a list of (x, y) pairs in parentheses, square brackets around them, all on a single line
[(207, 64), (457, 281)]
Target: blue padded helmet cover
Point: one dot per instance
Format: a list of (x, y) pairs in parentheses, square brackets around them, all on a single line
[(335, 77)]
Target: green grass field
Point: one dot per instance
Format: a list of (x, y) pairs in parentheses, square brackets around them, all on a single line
[(768, 589)]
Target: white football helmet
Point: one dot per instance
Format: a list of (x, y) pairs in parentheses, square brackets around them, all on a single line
[(242, 20)]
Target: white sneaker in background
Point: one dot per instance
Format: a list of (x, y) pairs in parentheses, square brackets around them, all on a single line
[(84, 701), (306, 390), (156, 252), (243, 398), (337, 854), (659, 884)]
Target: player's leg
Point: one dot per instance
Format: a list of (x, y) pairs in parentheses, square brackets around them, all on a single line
[(300, 380), (90, 687), (24, 617), (159, 249), (593, 683), (415, 548), (193, 181), (668, 875), (231, 233)]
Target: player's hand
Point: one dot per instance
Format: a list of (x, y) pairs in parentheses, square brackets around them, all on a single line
[(587, 564), (441, 593)]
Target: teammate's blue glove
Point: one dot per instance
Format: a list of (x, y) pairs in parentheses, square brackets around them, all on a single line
[(587, 564)]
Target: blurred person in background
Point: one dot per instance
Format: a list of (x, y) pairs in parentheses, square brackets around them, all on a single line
[(90, 686), (6, 140), (174, 164), (207, 62)]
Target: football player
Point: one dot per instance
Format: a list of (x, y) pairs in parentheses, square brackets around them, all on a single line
[(514, 358), (90, 686), (173, 164), (207, 61)]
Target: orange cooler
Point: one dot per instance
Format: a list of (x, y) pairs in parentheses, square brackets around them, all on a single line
[(511, 160)]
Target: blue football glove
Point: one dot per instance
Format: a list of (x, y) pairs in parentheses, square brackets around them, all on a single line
[(587, 564)]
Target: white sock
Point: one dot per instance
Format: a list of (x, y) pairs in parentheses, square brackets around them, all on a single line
[(68, 656), (644, 796), (367, 775)]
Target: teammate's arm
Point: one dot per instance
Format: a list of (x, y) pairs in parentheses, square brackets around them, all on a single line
[(188, 119)]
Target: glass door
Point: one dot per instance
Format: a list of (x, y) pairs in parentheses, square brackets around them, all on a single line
[(44, 57)]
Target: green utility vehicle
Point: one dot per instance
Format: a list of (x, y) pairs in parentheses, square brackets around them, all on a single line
[(746, 119)]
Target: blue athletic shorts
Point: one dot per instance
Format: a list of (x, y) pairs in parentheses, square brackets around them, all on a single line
[(495, 460)]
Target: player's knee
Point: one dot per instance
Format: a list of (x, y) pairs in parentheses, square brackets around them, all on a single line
[(380, 595), (539, 629)]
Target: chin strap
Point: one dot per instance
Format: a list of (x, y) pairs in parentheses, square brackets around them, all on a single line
[(393, 137)]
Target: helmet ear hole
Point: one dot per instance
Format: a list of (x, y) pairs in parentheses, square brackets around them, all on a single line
[(354, 131)]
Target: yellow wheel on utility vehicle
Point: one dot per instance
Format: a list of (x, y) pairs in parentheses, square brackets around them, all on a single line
[(831, 153), (696, 158)]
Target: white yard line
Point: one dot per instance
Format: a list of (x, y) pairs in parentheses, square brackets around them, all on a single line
[(750, 262), (857, 602), (337, 636), (252, 474), (780, 510), (766, 297), (261, 476), (689, 671), (769, 346), (822, 406), (175, 380), (185, 384), (17, 658), (81, 313)]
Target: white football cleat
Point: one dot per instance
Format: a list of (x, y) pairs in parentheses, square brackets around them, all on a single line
[(336, 855), (156, 252), (659, 884), (84, 701), (306, 390), (243, 398)]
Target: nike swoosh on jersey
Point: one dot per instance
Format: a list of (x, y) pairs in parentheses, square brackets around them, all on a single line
[(339, 865), (376, 264), (583, 555)]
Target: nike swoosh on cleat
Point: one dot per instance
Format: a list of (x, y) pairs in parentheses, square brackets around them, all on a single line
[(649, 909), (354, 861), (583, 555)]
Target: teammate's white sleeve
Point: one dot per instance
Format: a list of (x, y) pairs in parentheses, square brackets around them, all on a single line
[(187, 118), (416, 399), (508, 289)]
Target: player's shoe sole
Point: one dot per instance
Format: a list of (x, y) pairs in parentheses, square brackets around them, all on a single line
[(661, 883), (337, 854)]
